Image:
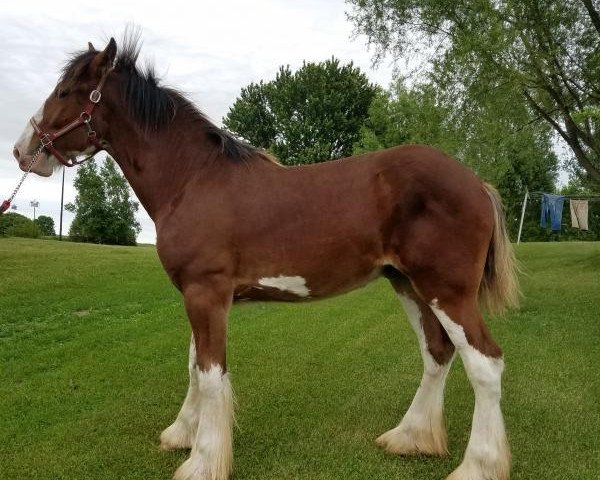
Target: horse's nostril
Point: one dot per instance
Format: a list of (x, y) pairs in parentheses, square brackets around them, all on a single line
[(16, 153)]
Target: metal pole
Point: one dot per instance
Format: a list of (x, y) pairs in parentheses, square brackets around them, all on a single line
[(62, 199), (522, 216)]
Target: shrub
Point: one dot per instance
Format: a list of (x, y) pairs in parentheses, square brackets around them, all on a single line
[(17, 225)]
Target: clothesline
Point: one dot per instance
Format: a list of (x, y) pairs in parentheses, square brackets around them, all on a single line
[(592, 197), (586, 198)]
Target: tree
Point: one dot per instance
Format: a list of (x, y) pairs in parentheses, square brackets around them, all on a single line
[(123, 227), (546, 51), (45, 225), (401, 116), (90, 207), (16, 225), (489, 140), (104, 212), (307, 116)]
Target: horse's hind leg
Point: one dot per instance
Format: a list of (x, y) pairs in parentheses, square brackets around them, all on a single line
[(422, 429), (181, 433), (487, 456)]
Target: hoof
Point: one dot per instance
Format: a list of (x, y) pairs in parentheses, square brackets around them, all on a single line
[(192, 470), (489, 463), (176, 436), (482, 470), (195, 468), (409, 441)]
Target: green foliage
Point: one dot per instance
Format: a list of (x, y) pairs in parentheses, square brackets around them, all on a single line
[(307, 116), (16, 225), (587, 113), (104, 212), (492, 139), (7, 220), (401, 116), (545, 51), (45, 225)]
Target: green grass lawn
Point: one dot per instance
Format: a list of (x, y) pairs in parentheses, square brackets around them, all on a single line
[(93, 365)]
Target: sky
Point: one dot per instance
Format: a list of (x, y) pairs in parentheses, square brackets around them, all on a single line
[(210, 50)]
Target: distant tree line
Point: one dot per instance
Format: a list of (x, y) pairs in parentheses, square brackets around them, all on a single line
[(14, 224)]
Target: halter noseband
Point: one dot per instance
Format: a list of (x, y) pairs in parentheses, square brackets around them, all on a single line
[(84, 118)]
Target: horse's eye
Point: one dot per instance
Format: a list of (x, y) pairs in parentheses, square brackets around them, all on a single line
[(62, 93)]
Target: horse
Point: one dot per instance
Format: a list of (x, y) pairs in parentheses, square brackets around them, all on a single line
[(233, 224)]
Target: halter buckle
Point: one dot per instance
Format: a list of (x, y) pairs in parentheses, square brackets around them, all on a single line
[(95, 96)]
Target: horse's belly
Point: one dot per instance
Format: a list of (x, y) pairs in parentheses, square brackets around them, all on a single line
[(296, 288)]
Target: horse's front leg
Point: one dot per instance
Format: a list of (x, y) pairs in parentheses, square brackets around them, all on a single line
[(207, 304)]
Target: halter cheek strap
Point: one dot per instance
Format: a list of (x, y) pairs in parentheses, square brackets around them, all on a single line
[(47, 138)]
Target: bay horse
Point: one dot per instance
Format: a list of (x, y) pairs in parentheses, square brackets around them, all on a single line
[(233, 224)]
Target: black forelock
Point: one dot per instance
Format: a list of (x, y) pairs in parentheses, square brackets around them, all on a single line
[(75, 64)]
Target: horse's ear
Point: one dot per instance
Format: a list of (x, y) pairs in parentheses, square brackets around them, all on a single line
[(105, 59), (91, 47)]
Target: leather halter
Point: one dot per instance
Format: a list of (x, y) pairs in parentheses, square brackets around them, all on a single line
[(84, 118)]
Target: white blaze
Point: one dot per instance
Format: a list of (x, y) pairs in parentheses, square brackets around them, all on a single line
[(295, 285), (26, 137)]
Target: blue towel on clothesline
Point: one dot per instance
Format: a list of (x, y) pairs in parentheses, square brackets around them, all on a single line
[(552, 206)]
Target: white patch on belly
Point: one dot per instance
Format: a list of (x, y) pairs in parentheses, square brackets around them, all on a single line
[(295, 285)]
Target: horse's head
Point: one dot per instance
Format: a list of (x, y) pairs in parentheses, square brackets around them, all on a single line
[(72, 118)]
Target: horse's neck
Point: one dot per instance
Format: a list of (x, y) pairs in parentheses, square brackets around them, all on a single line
[(157, 165)]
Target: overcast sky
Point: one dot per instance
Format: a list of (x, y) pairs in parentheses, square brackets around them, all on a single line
[(209, 49)]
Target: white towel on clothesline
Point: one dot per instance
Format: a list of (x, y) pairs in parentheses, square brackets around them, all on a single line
[(579, 214)]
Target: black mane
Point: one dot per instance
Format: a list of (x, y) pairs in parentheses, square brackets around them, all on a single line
[(154, 106)]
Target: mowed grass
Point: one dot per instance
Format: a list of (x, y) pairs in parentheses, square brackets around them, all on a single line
[(93, 352)]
